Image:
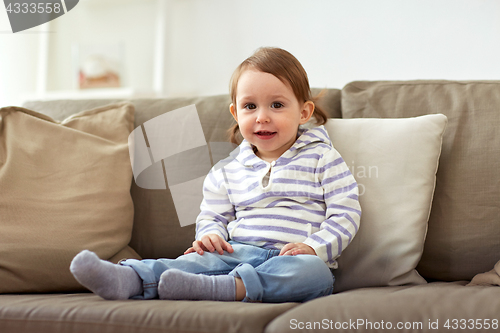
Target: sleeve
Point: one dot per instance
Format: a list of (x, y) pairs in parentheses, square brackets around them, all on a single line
[(216, 208), (343, 212)]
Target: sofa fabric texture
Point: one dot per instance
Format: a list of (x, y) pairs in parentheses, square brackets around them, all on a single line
[(64, 186), (466, 202), (83, 313), (433, 307)]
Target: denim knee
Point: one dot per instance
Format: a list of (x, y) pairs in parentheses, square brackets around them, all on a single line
[(286, 279)]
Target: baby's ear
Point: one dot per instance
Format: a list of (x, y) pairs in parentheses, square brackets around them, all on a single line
[(307, 112), (232, 109)]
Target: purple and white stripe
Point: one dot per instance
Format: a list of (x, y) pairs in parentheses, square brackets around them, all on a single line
[(311, 197)]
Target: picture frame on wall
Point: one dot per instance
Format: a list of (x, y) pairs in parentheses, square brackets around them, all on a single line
[(99, 65)]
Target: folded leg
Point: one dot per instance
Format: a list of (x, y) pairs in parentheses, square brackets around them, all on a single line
[(286, 279)]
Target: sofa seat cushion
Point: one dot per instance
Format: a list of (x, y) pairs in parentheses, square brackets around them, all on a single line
[(432, 307), (89, 313)]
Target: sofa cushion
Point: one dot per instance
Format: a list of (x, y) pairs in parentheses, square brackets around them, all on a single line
[(89, 313), (65, 187), (433, 307), (394, 162), (464, 226), (157, 232)]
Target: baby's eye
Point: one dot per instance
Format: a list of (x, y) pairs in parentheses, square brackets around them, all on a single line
[(277, 105), (250, 106)]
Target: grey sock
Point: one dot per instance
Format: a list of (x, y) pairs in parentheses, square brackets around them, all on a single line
[(108, 280), (178, 285)]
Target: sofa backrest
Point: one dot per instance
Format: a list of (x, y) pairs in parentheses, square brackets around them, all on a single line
[(463, 236), (157, 232), (464, 228)]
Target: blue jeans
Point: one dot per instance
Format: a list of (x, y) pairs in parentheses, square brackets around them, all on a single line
[(267, 277)]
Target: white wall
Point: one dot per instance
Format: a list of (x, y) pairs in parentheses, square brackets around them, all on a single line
[(18, 62), (337, 41)]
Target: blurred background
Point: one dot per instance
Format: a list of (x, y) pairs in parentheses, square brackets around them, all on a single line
[(171, 48)]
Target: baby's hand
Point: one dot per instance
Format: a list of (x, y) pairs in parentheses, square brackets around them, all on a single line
[(211, 243), (292, 249)]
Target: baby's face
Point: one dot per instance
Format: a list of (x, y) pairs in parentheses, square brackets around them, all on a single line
[(268, 113)]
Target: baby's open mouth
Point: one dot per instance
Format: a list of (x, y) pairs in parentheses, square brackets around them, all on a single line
[(265, 133)]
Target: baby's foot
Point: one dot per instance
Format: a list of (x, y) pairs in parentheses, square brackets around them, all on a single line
[(178, 285), (108, 280)]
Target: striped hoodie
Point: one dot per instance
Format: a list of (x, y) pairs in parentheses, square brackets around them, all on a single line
[(308, 195)]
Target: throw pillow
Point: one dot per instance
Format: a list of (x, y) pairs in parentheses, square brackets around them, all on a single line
[(394, 162), (65, 187)]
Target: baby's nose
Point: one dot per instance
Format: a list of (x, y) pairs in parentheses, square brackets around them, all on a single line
[(263, 117)]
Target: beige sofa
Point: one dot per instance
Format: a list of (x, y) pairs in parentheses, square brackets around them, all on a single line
[(462, 234)]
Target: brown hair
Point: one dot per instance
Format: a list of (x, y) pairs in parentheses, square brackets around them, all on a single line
[(285, 67)]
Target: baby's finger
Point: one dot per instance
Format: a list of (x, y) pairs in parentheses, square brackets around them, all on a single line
[(190, 250), (286, 248), (207, 242), (217, 243), (218, 246), (226, 246), (197, 247)]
